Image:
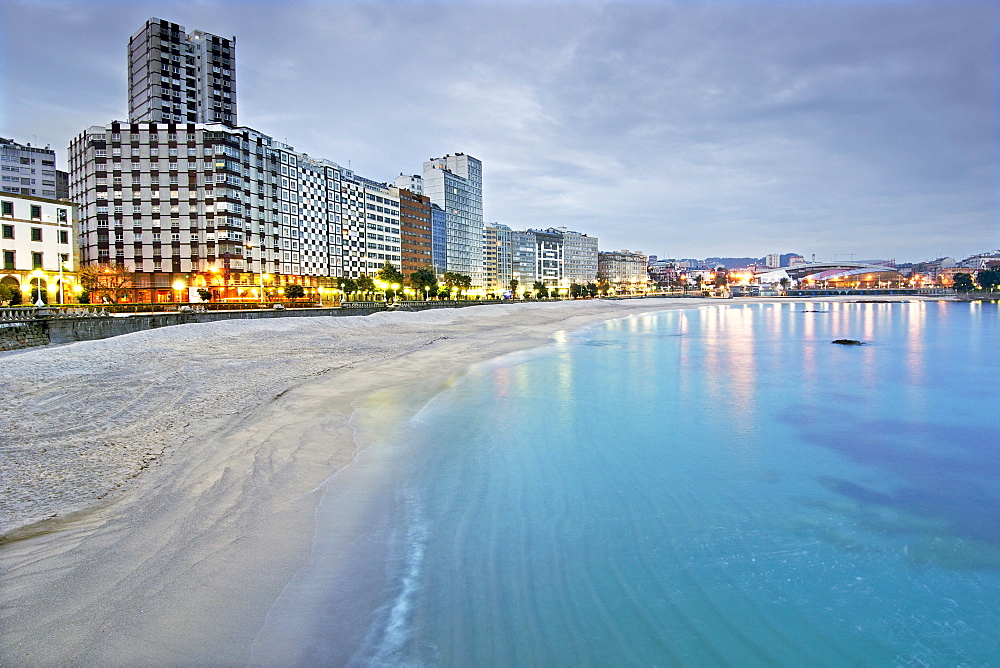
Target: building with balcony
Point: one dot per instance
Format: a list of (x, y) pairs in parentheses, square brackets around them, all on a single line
[(497, 258), (30, 170), (181, 77), (624, 270)]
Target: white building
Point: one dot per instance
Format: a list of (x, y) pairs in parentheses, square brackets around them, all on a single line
[(579, 257), (455, 183), (625, 270), (772, 260), (412, 182), (37, 244), (180, 77), (497, 258), (29, 170)]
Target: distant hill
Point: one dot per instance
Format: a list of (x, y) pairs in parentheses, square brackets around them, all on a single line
[(732, 262), (740, 262)]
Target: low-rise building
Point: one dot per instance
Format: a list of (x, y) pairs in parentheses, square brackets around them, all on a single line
[(37, 242)]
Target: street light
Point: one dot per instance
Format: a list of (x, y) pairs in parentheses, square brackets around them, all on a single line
[(37, 273)]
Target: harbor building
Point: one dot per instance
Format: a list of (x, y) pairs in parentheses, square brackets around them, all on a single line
[(181, 77)]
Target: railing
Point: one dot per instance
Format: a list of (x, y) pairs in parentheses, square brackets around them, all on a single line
[(30, 313)]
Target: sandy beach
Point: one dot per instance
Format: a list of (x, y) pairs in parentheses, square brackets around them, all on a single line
[(159, 488)]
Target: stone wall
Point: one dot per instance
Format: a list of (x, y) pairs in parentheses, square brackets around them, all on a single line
[(44, 330), (14, 336)]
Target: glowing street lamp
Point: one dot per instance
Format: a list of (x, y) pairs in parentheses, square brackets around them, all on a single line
[(37, 274), (178, 287)]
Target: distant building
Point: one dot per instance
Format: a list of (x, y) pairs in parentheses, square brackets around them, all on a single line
[(29, 170), (795, 260), (662, 272), (414, 183), (37, 245), (455, 183), (625, 270), (180, 77), (772, 260)]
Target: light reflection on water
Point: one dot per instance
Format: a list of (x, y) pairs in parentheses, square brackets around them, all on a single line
[(717, 486)]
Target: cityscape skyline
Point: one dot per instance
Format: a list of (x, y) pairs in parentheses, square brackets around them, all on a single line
[(889, 150)]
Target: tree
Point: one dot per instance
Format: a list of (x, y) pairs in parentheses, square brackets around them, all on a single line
[(424, 279), (390, 274), (989, 279), (205, 294), (539, 288), (721, 278), (576, 290), (9, 294), (785, 282), (366, 284), (295, 291), (105, 281), (464, 283), (963, 282), (347, 285), (513, 286), (592, 289)]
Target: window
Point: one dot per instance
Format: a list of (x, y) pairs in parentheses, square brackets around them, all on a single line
[(36, 212), (63, 237), (8, 231), (62, 215), (7, 208), (8, 259), (36, 234), (36, 260)]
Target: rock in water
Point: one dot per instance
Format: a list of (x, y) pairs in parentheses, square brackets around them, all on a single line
[(849, 342)]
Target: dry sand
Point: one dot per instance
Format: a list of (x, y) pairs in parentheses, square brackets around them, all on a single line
[(159, 487)]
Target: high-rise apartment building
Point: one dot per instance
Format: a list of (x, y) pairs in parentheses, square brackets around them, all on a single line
[(625, 270), (455, 183), (29, 170), (222, 208), (497, 258), (414, 230), (549, 258), (523, 251), (181, 77), (579, 257)]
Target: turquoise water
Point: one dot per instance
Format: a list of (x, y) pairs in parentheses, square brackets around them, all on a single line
[(714, 486)]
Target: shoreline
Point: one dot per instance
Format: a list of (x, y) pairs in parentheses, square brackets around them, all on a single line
[(230, 426)]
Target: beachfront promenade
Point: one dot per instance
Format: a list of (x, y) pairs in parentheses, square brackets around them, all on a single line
[(28, 326)]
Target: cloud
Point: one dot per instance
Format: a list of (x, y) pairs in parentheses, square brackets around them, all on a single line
[(690, 128)]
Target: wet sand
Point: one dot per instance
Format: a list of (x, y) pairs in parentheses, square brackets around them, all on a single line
[(159, 488)]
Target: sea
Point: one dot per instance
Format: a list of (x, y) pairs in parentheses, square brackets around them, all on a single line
[(713, 486)]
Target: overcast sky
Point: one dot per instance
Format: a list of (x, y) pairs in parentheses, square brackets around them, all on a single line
[(683, 129)]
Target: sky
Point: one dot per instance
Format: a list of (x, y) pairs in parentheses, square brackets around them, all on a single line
[(840, 129)]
